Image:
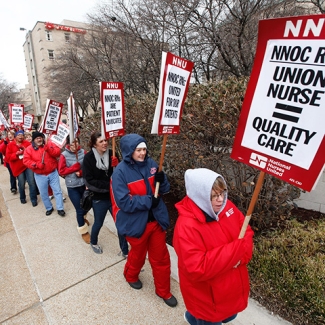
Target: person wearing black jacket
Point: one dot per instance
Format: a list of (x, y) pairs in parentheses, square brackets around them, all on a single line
[(97, 169)]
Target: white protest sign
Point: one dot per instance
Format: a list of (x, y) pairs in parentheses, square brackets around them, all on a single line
[(281, 127), (73, 126), (3, 120), (175, 77), (28, 121), (16, 114), (52, 116), (60, 137), (112, 99)]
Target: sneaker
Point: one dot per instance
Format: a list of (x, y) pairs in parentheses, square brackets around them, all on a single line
[(122, 254), (96, 248), (51, 197), (136, 285), (64, 199), (34, 204), (23, 201), (13, 190), (61, 213), (186, 319)]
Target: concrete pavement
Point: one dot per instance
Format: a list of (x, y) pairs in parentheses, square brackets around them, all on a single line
[(50, 276)]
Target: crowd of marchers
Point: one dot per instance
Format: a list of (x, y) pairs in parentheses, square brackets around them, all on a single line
[(212, 259)]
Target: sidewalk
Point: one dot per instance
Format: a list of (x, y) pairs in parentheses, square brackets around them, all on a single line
[(50, 276)]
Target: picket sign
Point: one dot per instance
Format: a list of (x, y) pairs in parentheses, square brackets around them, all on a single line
[(113, 110), (175, 75), (281, 126)]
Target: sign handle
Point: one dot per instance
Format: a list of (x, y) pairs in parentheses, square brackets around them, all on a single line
[(76, 148), (162, 155), (113, 146), (252, 204)]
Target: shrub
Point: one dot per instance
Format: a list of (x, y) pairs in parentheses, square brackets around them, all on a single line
[(288, 271)]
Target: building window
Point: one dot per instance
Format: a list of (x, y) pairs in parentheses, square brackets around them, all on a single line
[(67, 37), (51, 54), (79, 38), (48, 35)]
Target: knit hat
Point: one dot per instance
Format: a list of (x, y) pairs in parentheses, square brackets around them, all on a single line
[(19, 132), (37, 134), (142, 145)]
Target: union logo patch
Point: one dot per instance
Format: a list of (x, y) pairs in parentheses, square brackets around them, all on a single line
[(230, 212)]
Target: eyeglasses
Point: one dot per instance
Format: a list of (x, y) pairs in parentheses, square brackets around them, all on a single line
[(215, 196)]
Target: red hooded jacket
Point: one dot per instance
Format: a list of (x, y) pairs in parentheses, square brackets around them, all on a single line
[(42, 160), (213, 286), (16, 163)]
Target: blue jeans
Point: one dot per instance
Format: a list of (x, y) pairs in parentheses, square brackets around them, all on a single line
[(195, 321), (100, 208), (75, 194), (13, 179), (27, 175), (52, 179)]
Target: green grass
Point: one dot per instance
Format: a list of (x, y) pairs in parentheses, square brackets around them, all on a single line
[(288, 271)]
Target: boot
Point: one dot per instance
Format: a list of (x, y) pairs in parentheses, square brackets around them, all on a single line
[(83, 231), (86, 237), (86, 221)]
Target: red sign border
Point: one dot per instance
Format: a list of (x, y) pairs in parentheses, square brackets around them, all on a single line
[(10, 112), (56, 103), (173, 129), (120, 86), (273, 29)]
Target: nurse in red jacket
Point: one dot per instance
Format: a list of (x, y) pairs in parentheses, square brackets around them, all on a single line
[(42, 159), (15, 154), (212, 261)]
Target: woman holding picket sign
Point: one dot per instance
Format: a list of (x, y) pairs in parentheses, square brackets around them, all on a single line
[(97, 170), (142, 217)]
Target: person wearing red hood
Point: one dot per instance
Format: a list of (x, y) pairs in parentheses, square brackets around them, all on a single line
[(212, 260), (15, 154), (41, 158), (70, 167)]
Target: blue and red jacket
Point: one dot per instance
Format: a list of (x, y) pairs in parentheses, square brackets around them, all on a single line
[(132, 187)]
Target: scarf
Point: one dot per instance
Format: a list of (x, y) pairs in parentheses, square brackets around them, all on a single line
[(102, 162)]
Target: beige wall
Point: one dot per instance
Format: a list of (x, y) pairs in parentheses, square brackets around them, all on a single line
[(23, 97), (314, 200)]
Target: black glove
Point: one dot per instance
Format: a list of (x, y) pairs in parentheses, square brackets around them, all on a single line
[(154, 201), (159, 177)]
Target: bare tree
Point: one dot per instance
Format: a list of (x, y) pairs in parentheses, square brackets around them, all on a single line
[(316, 6), (7, 91), (124, 43)]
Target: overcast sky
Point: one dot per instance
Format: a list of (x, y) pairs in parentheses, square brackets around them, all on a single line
[(25, 13)]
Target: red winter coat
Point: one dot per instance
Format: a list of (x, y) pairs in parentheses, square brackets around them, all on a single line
[(33, 158), (16, 164), (3, 149), (213, 288)]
